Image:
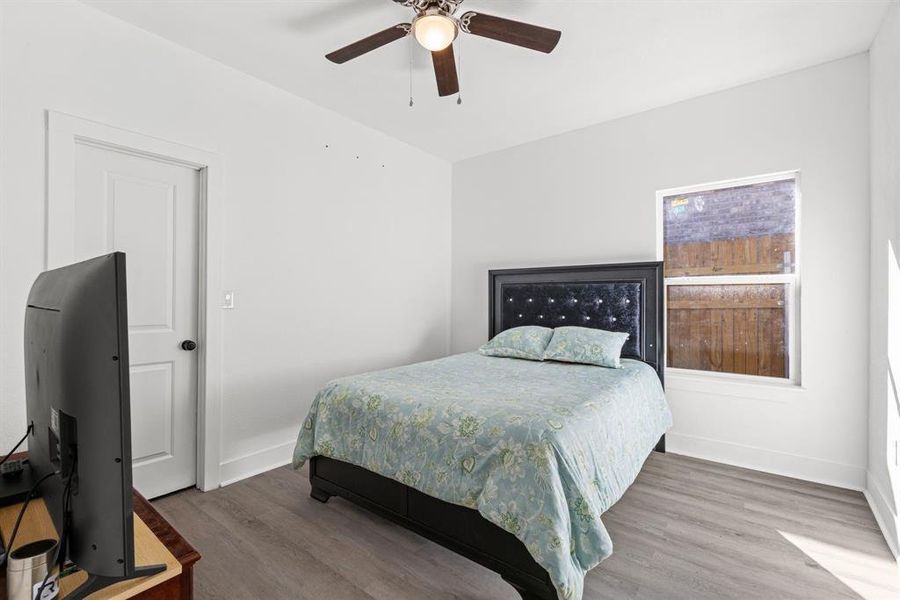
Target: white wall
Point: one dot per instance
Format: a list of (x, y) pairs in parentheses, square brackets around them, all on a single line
[(589, 197), (339, 264), (318, 241), (883, 485)]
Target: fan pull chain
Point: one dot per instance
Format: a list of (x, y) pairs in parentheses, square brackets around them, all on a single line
[(411, 103), (459, 77)]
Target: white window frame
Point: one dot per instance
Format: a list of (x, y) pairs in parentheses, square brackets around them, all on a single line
[(791, 280)]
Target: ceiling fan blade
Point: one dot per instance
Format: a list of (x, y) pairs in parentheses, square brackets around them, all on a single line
[(511, 32), (373, 42), (445, 71)]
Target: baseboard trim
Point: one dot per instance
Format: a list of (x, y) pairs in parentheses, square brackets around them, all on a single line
[(257, 462), (769, 461), (739, 455), (750, 457), (884, 515)]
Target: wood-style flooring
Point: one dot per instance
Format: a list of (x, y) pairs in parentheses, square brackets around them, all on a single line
[(686, 529)]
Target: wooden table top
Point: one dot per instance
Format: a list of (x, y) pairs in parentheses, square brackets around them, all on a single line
[(148, 550), (155, 542)]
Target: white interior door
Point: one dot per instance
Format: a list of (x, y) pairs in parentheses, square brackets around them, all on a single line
[(149, 209)]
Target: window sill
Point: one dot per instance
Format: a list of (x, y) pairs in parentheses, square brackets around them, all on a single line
[(739, 386)]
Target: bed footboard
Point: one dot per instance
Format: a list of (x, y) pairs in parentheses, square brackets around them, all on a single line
[(457, 528)]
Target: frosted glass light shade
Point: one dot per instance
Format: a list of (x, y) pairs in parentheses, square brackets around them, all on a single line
[(435, 32)]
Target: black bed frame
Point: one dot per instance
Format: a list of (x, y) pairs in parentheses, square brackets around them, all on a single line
[(621, 297)]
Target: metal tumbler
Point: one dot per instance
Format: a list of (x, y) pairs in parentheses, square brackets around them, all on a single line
[(26, 569)]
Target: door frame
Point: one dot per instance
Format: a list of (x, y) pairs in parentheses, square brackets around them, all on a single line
[(63, 132)]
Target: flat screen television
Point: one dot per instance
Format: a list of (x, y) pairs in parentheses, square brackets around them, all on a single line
[(77, 393)]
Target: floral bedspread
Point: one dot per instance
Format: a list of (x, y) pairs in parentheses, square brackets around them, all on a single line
[(541, 449)]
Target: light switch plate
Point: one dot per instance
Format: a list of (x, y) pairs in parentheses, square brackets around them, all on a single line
[(228, 302)]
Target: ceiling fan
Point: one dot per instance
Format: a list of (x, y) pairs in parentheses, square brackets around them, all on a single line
[(436, 26)]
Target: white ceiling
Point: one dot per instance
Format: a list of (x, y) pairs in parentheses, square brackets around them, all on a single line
[(615, 58)]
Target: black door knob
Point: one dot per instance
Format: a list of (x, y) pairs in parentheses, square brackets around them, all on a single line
[(188, 345)]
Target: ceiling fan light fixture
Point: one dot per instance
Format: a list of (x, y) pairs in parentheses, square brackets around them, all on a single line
[(435, 31)]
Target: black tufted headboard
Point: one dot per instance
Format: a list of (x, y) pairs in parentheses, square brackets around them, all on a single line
[(624, 297)]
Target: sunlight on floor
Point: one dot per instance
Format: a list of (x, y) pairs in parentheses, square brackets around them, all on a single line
[(874, 576)]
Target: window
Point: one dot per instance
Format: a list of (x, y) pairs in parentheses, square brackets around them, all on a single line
[(731, 276)]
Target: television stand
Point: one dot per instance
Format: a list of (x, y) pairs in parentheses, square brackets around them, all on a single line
[(96, 583), (156, 542)]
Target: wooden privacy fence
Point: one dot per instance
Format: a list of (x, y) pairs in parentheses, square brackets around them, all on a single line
[(741, 256), (738, 328)]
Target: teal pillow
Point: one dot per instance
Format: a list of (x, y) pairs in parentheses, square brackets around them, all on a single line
[(519, 342), (587, 346)]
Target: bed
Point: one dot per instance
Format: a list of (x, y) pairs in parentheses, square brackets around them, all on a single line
[(508, 462)]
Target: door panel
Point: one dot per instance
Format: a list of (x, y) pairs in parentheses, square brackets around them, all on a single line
[(152, 398), (149, 209), (143, 226)]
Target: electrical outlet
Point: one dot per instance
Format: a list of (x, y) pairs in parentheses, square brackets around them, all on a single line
[(228, 302)]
